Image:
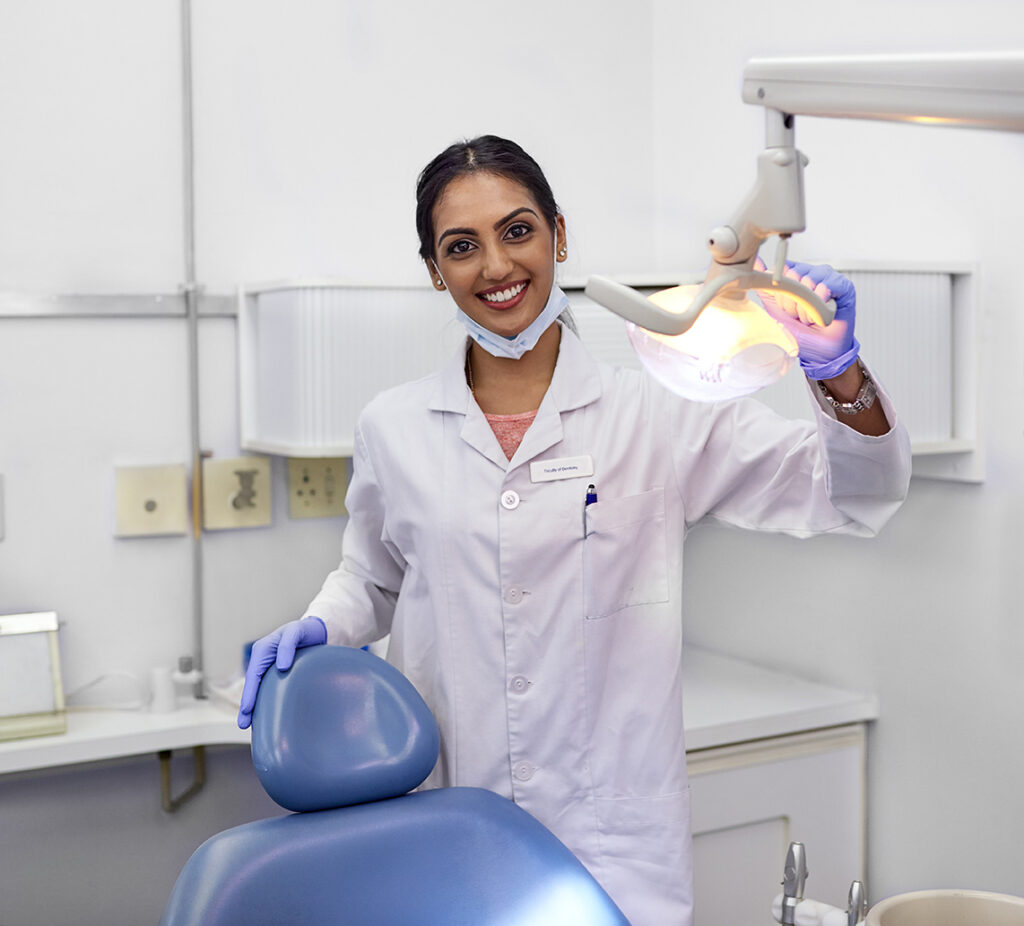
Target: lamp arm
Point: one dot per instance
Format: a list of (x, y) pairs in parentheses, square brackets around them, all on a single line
[(774, 206), (978, 91), (983, 91)]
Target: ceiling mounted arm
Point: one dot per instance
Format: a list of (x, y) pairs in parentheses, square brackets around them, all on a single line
[(981, 91)]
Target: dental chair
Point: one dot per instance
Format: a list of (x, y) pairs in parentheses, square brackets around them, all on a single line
[(340, 739)]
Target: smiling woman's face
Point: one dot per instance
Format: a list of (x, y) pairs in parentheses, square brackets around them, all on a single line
[(494, 250)]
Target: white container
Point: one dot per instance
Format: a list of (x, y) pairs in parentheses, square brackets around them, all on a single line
[(165, 695), (948, 908)]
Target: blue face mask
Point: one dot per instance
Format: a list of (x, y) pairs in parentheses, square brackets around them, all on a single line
[(498, 346)]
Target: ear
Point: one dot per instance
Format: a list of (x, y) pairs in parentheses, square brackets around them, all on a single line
[(435, 276), (561, 250)]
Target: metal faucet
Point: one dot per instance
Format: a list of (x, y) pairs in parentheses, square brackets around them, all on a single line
[(857, 909), (793, 880)]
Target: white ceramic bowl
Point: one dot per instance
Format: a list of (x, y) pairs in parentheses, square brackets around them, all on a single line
[(948, 908)]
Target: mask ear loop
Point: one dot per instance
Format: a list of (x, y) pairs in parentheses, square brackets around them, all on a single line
[(437, 279), (565, 317)]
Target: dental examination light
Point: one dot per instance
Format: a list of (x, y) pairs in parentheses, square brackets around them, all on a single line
[(715, 341)]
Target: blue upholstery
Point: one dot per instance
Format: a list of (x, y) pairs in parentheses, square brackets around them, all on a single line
[(343, 727)]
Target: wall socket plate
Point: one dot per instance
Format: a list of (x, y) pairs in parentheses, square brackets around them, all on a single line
[(236, 493), (317, 486), (150, 501)]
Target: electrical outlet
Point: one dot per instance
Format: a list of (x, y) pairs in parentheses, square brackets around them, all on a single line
[(236, 493), (150, 501), (316, 487)]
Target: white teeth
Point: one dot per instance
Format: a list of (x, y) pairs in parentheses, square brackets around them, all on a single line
[(506, 295)]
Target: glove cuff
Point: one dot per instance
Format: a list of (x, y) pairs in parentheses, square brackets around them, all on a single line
[(321, 622), (834, 367)]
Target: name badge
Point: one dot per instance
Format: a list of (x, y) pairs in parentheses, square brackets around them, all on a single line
[(564, 468)]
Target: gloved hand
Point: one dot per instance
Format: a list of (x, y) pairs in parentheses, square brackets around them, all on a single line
[(279, 647), (824, 352)]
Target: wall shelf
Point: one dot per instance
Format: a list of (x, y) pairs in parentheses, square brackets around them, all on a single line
[(313, 353)]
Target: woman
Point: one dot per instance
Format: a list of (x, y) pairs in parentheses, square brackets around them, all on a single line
[(517, 524)]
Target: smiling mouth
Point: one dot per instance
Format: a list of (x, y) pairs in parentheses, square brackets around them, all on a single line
[(506, 297)]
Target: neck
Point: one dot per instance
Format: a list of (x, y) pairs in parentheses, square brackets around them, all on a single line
[(503, 386)]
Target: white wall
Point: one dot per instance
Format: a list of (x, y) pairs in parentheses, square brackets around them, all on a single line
[(91, 160), (311, 126), (928, 615)]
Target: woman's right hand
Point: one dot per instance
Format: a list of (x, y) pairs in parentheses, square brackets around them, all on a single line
[(279, 647)]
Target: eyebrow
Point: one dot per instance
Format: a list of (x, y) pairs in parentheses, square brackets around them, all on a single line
[(497, 225)]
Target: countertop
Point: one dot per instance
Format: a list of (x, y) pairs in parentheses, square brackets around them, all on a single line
[(725, 701)]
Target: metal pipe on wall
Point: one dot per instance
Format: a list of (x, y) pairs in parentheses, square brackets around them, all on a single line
[(190, 291)]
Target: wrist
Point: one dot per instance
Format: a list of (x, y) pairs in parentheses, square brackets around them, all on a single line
[(850, 393), (847, 384)]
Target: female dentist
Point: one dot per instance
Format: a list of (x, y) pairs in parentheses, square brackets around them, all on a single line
[(517, 524)]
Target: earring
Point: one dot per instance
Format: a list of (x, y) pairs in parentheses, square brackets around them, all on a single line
[(562, 253), (435, 278)]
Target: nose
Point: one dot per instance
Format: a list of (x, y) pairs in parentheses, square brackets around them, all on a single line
[(497, 264)]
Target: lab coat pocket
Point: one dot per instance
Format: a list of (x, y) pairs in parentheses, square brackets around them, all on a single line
[(625, 560)]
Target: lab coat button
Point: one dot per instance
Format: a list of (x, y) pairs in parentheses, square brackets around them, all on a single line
[(523, 771), (519, 684), (513, 594), (510, 500)]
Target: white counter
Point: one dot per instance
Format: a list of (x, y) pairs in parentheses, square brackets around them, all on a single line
[(728, 701), (725, 701), (93, 735)]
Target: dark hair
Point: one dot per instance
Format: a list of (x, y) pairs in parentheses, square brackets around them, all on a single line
[(486, 153)]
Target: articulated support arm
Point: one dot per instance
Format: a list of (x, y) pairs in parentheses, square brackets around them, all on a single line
[(775, 206)]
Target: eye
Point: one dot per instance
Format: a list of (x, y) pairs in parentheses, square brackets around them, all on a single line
[(462, 246), (518, 230)]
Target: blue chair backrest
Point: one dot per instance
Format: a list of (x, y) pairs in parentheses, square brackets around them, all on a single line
[(341, 738)]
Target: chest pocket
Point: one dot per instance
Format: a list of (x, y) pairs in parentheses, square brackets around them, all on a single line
[(625, 560)]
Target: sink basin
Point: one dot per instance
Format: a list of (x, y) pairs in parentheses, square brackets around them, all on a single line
[(948, 908)]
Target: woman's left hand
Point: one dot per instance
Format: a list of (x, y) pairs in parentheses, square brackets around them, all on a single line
[(824, 351)]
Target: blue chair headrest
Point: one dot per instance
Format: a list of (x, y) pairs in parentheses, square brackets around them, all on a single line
[(340, 727)]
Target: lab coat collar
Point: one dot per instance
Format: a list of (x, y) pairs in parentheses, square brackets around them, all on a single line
[(576, 382)]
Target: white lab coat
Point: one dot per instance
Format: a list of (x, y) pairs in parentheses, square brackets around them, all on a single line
[(549, 651)]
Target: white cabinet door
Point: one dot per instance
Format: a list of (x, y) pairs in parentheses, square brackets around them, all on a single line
[(751, 800)]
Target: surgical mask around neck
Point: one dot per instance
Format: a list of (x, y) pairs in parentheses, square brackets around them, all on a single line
[(498, 346)]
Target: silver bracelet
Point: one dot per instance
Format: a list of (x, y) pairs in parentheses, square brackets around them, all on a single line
[(864, 400)]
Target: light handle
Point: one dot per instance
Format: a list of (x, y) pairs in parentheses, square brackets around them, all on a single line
[(731, 282)]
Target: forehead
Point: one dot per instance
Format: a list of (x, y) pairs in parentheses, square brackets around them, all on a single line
[(478, 200)]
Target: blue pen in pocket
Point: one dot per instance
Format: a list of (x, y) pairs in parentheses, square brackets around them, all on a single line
[(591, 497)]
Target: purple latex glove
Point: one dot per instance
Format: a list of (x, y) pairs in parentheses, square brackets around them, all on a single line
[(279, 647), (824, 352)]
